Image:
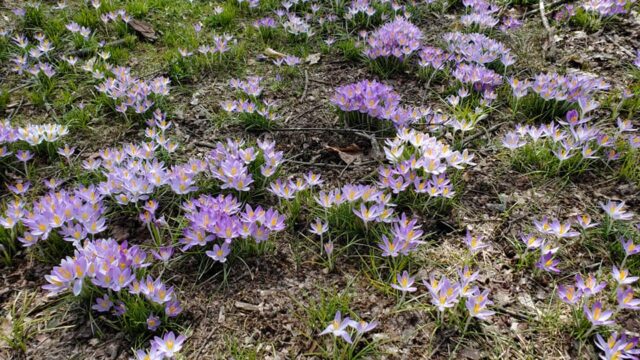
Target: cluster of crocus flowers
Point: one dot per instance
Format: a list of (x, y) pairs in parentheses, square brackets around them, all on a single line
[(32, 134), (571, 88), (477, 48), (446, 294), (419, 162), (340, 327), (297, 26), (548, 236), (130, 92), (251, 86), (223, 218), (249, 102), (433, 57), (478, 76), (617, 346), (112, 267), (221, 45), (398, 39), (113, 16), (83, 31), (229, 162), (35, 56), (368, 97), (571, 137), (605, 8), (480, 14), (585, 292), (165, 347), (72, 215), (265, 23), (358, 7)]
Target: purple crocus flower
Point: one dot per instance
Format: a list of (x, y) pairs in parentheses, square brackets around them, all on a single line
[(319, 227), (338, 327), (590, 285), (404, 282), (615, 347), (477, 306), (169, 344), (615, 210), (163, 254), (153, 322), (362, 326), (625, 298), (173, 308), (585, 221), (597, 315), (569, 294), (621, 276), (103, 304), (548, 263), (219, 253), (474, 242), (531, 241), (629, 247)]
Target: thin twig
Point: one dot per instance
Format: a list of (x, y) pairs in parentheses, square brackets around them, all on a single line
[(306, 85), (18, 88), (320, 82), (345, 169), (550, 32), (16, 110), (328, 164)]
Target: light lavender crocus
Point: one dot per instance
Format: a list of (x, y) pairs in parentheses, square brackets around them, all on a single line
[(338, 327)]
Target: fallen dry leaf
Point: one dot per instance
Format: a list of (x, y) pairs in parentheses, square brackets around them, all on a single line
[(350, 154), (143, 28)]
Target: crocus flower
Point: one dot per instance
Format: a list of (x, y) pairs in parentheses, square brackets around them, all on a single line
[(531, 241), (569, 294), (219, 253), (597, 315), (404, 282), (615, 210), (103, 304), (153, 322), (389, 248), (163, 254), (363, 327), (444, 295), (328, 247), (613, 348), (477, 306), (562, 230), (338, 327), (149, 354), (319, 227), (629, 247), (621, 276), (172, 308), (585, 221), (475, 243), (548, 263), (625, 298), (590, 285), (169, 344)]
